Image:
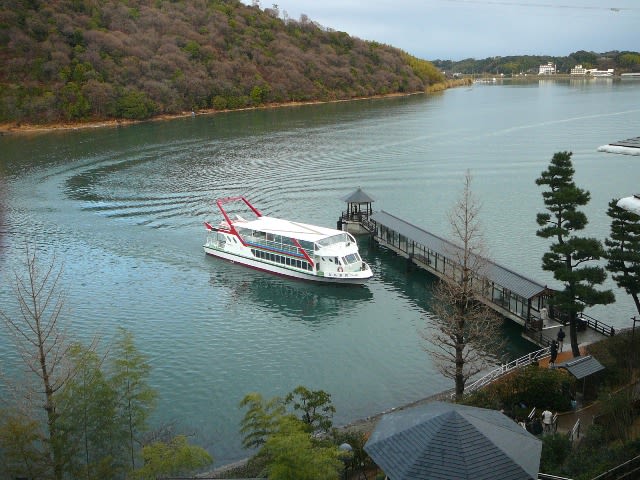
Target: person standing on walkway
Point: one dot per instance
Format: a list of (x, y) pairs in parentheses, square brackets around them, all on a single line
[(547, 418), (544, 316), (560, 338), (554, 352)]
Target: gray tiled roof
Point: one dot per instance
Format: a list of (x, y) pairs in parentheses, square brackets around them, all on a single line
[(581, 367), (631, 142), (505, 277), (439, 441), (359, 196)]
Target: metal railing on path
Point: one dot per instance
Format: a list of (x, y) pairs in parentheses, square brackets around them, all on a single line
[(507, 368), (596, 324)]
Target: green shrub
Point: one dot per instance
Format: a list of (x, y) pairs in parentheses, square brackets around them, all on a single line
[(555, 450), (524, 389)]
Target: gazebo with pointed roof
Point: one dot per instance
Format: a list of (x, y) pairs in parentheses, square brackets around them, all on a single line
[(359, 209)]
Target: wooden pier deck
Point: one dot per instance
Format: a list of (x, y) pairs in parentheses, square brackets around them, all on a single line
[(509, 293)]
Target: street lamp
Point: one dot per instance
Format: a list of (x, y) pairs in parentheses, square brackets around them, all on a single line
[(346, 455)]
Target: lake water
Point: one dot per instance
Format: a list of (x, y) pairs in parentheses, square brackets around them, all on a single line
[(122, 209)]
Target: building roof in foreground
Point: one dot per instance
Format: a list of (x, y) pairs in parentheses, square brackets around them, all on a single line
[(439, 441), (630, 146)]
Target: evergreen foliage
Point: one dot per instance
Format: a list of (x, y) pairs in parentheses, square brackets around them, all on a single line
[(135, 399), (75, 415), (524, 389), (315, 407), (89, 59), (623, 250), (175, 458), (293, 453), (21, 455), (260, 419), (87, 406), (556, 449), (569, 253)]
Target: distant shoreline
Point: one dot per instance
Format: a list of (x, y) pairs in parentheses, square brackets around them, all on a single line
[(27, 128)]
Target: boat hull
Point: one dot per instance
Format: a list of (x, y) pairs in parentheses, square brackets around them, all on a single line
[(352, 278)]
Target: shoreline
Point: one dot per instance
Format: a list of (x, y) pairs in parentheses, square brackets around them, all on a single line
[(19, 128), (363, 425), (13, 128)]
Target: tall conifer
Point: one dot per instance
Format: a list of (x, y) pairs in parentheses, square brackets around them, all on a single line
[(569, 255), (623, 250), (135, 398)]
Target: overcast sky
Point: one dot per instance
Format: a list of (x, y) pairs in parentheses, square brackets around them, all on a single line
[(458, 29)]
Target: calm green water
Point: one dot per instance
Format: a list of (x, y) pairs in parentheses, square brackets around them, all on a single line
[(123, 209)]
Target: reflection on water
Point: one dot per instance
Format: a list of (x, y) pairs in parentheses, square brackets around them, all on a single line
[(295, 299)]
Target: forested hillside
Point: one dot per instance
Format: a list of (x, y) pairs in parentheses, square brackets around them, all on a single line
[(80, 60)]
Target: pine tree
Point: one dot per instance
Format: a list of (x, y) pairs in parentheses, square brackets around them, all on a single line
[(623, 252), (569, 255)]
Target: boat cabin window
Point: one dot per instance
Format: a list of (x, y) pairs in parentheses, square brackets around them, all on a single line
[(339, 238), (307, 245), (351, 258), (282, 259)]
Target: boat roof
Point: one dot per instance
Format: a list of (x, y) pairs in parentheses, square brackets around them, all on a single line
[(286, 228)]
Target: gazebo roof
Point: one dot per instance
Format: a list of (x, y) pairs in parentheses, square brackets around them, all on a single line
[(358, 196), (445, 441)]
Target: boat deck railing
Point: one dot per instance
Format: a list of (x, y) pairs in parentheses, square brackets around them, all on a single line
[(272, 245)]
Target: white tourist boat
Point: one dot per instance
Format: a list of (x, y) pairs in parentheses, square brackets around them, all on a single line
[(284, 247)]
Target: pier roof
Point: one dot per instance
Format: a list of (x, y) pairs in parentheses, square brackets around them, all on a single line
[(505, 277)]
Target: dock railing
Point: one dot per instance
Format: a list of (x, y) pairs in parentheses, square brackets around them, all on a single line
[(596, 325), (538, 337), (506, 368)]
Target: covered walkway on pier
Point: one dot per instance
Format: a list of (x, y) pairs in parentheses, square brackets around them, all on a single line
[(507, 292)]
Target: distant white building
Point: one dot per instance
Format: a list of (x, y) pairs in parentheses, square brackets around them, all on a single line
[(548, 69), (578, 70)]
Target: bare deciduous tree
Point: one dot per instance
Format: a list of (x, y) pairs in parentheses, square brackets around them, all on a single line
[(463, 334), (40, 340)]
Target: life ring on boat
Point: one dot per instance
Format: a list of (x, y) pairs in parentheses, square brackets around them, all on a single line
[(340, 269)]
